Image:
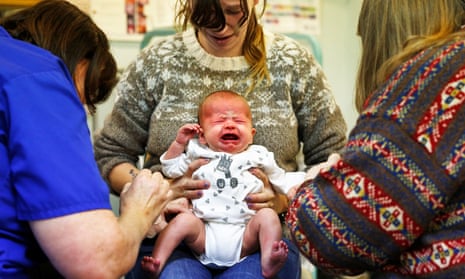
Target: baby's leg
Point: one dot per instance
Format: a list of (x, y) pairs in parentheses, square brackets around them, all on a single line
[(184, 227), (264, 230)]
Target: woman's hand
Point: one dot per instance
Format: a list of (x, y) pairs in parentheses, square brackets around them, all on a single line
[(186, 187), (267, 198), (315, 170)]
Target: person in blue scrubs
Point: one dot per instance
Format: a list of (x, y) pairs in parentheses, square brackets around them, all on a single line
[(55, 215)]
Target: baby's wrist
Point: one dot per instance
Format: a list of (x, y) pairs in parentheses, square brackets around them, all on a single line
[(176, 141)]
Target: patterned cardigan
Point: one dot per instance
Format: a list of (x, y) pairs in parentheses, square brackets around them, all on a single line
[(394, 203)]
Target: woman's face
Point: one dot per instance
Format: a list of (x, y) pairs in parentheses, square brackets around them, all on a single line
[(228, 41)]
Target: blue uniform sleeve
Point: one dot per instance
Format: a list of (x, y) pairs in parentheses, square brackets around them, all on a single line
[(52, 167)]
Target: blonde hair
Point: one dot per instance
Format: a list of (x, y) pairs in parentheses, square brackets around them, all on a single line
[(392, 31), (209, 14)]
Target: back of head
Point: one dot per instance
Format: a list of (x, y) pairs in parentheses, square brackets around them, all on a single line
[(69, 33), (392, 31)]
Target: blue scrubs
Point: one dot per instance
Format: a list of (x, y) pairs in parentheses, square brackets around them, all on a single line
[(47, 167)]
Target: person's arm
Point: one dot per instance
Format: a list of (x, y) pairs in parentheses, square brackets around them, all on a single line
[(177, 147), (120, 175), (96, 244), (322, 127), (388, 196), (123, 139)]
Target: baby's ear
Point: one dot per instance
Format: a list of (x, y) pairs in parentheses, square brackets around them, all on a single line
[(202, 137)]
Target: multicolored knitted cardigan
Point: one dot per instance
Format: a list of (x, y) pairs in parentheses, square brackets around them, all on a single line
[(395, 202)]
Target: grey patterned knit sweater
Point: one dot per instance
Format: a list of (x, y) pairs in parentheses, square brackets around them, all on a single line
[(161, 89)]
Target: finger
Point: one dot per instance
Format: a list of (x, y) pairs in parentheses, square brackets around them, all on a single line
[(333, 159), (194, 189), (258, 206), (260, 174), (163, 184), (137, 177), (195, 165), (125, 188), (264, 197), (188, 188)]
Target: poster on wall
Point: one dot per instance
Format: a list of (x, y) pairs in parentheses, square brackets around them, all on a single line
[(298, 16), (131, 17)]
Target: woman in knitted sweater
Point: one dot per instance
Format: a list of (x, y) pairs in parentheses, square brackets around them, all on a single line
[(394, 202), (289, 96)]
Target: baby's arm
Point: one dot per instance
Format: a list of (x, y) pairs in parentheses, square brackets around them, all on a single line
[(185, 133)]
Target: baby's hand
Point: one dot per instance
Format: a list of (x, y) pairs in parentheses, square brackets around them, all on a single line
[(187, 132)]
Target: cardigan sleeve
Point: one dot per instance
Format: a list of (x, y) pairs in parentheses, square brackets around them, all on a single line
[(370, 206), (399, 179)]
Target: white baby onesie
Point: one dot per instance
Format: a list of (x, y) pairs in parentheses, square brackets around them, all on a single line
[(222, 206)]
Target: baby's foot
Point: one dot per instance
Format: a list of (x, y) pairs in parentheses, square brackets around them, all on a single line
[(151, 265), (273, 262)]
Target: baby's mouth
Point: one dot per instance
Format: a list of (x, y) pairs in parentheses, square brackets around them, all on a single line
[(229, 137)]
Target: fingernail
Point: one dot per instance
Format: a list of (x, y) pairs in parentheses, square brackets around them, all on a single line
[(199, 193)]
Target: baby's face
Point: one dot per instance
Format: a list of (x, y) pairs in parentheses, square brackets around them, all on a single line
[(227, 125)]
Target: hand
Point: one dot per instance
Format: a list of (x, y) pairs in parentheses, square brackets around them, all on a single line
[(292, 191), (181, 189), (266, 198), (313, 171), (187, 187), (147, 195), (187, 132)]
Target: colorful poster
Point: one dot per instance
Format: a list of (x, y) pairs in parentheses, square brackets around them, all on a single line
[(299, 16)]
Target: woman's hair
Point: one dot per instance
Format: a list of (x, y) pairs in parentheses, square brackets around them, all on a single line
[(209, 14), (392, 31), (69, 33)]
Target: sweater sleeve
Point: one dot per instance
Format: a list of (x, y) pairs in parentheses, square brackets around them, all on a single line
[(372, 205), (322, 128), (124, 135), (398, 177)]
